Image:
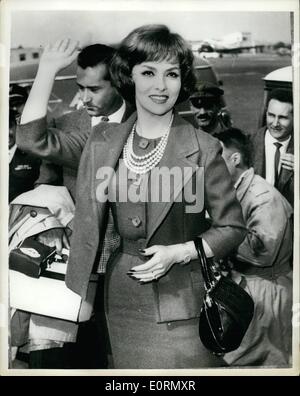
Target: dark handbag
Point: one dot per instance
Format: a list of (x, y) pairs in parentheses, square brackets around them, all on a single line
[(31, 258), (227, 308)]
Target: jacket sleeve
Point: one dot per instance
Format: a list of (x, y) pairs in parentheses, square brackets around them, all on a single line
[(267, 223), (50, 174), (258, 155), (227, 230), (62, 147)]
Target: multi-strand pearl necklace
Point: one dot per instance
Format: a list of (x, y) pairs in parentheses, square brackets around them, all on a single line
[(142, 164)]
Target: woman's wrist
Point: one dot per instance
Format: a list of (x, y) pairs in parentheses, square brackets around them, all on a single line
[(187, 251)]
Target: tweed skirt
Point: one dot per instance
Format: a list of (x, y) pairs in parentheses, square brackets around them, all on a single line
[(137, 340)]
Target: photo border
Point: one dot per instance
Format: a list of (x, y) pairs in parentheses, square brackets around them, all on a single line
[(8, 6)]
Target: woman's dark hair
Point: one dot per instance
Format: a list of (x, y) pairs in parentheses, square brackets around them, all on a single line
[(234, 138), (152, 43)]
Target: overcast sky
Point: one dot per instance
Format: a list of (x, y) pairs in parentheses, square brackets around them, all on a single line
[(34, 28)]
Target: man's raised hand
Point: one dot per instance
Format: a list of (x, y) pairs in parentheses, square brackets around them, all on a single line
[(54, 58), (59, 55)]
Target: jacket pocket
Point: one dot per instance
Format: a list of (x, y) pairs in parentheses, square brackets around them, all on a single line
[(178, 295)]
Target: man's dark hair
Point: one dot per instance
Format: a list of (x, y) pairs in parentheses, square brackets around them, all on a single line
[(234, 138), (94, 55), (282, 95)]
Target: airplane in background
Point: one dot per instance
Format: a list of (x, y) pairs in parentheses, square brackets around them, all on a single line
[(233, 43)]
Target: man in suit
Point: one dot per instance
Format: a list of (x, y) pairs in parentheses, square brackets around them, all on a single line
[(206, 105), (67, 135), (62, 142), (262, 261), (274, 144)]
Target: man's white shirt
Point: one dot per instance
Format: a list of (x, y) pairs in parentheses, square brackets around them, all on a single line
[(270, 150), (114, 117)]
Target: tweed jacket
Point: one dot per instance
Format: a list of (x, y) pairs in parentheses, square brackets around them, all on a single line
[(177, 293), (269, 239), (286, 177), (60, 142)]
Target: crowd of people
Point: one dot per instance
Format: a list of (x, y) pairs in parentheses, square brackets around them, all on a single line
[(150, 287)]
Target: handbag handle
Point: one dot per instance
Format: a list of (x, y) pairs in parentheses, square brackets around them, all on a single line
[(206, 271)]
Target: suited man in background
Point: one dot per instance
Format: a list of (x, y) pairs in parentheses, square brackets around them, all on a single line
[(261, 263), (63, 139), (273, 156), (62, 143)]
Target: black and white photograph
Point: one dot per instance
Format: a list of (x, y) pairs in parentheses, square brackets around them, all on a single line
[(149, 220)]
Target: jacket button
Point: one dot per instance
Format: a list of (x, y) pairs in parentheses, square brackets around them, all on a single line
[(33, 213), (136, 221)]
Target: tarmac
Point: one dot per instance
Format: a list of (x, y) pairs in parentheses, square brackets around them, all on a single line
[(243, 85)]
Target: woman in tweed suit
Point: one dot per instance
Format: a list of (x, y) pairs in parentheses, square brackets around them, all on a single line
[(154, 287)]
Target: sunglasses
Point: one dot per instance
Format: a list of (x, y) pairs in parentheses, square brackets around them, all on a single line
[(205, 103)]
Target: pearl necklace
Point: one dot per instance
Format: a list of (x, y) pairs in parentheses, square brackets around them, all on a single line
[(142, 164)]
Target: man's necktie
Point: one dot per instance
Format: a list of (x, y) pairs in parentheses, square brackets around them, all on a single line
[(276, 163), (104, 119)]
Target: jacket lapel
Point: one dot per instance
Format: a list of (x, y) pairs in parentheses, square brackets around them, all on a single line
[(259, 149), (85, 122), (106, 152), (182, 144)]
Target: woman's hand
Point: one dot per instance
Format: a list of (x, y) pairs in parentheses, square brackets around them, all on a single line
[(163, 258), (59, 55)]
